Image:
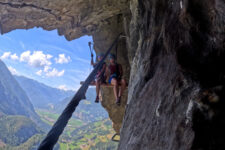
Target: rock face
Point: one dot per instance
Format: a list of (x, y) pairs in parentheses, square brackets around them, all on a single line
[(72, 18), (176, 90), (104, 38), (116, 113), (176, 52)]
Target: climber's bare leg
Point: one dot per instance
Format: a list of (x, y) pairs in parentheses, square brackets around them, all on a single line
[(115, 87), (98, 83), (123, 86)]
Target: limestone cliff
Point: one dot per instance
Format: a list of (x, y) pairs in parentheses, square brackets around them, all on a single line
[(72, 18), (173, 57), (116, 113), (176, 90)]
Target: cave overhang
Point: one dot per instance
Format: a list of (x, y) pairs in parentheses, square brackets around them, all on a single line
[(71, 18)]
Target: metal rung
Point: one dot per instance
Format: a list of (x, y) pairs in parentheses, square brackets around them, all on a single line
[(114, 136)]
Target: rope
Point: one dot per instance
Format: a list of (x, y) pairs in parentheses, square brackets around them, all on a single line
[(57, 129)]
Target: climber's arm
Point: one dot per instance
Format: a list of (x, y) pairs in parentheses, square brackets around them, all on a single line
[(92, 61)]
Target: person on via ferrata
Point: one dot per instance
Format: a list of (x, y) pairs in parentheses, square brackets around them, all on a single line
[(100, 76), (114, 73)]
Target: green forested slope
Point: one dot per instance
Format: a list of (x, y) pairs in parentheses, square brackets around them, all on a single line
[(17, 129), (80, 135), (13, 99)]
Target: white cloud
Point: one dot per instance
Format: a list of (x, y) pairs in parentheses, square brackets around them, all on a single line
[(47, 68), (13, 70), (49, 56), (37, 59), (62, 59), (25, 56), (49, 72), (39, 72), (63, 87), (55, 73), (6, 55), (14, 57)]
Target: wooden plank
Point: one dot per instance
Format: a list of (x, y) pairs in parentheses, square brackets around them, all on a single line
[(103, 84)]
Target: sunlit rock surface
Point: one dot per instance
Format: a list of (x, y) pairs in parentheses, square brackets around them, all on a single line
[(115, 112), (173, 57), (72, 18)]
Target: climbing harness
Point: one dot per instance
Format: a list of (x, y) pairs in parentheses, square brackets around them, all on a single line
[(57, 129), (114, 137)]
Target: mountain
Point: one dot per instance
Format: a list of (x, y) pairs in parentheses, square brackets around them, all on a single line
[(40, 94), (88, 110), (15, 129), (13, 99), (31, 144)]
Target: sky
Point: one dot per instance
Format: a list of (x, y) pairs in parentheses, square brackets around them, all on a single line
[(46, 57)]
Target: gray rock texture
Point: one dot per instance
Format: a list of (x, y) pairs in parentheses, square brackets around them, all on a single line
[(176, 89), (72, 18), (173, 57), (116, 113)]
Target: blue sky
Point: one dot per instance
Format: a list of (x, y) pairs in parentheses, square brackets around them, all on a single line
[(46, 57)]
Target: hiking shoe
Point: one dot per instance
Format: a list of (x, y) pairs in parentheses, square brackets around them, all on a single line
[(97, 99), (118, 101)]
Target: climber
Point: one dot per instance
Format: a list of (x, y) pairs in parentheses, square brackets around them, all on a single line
[(100, 76), (114, 73)]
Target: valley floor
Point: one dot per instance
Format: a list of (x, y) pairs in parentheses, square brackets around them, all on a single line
[(79, 135)]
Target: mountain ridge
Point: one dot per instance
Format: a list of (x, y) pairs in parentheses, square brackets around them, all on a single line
[(40, 94), (87, 110), (14, 100)]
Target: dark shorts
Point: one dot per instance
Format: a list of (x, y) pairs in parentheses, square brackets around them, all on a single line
[(110, 79), (113, 76)]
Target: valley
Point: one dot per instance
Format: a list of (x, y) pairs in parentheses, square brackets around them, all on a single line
[(28, 109), (79, 135)]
